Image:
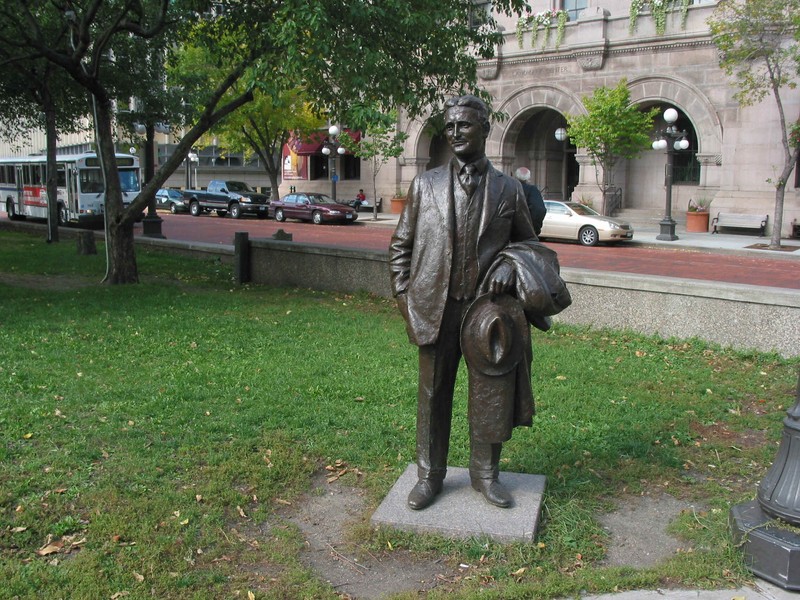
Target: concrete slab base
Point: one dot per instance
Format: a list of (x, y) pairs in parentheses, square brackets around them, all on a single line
[(772, 550), (460, 512)]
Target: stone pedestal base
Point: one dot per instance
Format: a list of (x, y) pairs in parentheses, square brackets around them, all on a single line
[(771, 548), (151, 227), (461, 512)]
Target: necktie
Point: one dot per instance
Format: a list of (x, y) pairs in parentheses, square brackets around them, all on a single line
[(469, 178)]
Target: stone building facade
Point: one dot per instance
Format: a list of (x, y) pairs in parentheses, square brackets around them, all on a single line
[(733, 150), (537, 80)]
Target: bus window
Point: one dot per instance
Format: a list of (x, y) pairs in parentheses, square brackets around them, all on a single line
[(128, 180), (91, 181), (61, 177)]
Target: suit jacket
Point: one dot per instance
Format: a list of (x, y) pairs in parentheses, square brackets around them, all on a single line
[(421, 250), (536, 206)]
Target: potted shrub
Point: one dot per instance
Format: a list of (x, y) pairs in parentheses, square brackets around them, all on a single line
[(398, 202), (697, 215)]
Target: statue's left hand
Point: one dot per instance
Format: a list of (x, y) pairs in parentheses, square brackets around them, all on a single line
[(503, 279)]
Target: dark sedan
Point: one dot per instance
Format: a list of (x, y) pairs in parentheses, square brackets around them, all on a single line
[(317, 208), (171, 200)]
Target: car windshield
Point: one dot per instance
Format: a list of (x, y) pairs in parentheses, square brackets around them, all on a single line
[(238, 186), (320, 199), (582, 209)]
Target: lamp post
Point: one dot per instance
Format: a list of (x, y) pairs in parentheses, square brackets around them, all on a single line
[(561, 136), (190, 159), (672, 140), (330, 146)]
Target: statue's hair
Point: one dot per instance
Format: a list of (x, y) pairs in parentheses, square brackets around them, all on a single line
[(470, 101)]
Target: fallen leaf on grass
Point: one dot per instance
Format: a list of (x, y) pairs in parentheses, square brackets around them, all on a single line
[(50, 548), (250, 595), (138, 577), (18, 529), (121, 594), (241, 512)]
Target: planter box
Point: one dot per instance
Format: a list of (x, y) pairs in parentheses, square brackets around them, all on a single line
[(397, 205), (697, 222)]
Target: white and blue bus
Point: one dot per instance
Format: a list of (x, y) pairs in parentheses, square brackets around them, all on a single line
[(81, 191)]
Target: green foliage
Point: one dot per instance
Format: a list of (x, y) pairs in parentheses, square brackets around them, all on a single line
[(380, 141), (138, 420), (612, 128), (759, 46), (659, 10), (543, 20)]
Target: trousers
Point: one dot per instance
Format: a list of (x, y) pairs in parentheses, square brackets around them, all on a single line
[(438, 367)]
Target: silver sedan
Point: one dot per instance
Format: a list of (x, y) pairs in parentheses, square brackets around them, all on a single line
[(574, 221)]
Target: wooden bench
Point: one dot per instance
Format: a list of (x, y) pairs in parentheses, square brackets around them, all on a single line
[(740, 221)]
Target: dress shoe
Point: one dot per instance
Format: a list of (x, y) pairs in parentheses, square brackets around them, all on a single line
[(493, 491), (423, 493)]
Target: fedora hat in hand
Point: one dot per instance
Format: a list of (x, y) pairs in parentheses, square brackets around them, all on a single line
[(492, 334)]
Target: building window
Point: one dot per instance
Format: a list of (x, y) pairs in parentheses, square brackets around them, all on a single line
[(351, 167), (574, 7), (479, 14)]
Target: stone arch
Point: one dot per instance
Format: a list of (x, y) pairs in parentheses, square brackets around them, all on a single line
[(518, 107), (692, 102)]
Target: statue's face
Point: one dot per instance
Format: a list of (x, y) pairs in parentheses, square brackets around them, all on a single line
[(464, 132)]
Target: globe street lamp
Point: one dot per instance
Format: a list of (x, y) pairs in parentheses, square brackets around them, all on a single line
[(330, 146), (192, 158), (561, 136), (672, 140)]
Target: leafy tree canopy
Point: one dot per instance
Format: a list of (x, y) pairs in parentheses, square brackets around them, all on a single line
[(758, 46)]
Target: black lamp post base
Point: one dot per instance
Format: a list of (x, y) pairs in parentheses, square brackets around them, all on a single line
[(667, 230), (151, 227), (771, 547)]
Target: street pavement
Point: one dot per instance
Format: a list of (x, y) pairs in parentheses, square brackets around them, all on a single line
[(724, 257), (729, 258)]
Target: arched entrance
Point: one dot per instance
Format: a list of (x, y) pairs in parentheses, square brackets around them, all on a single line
[(551, 161)]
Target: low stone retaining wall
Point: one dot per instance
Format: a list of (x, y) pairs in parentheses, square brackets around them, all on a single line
[(740, 316)]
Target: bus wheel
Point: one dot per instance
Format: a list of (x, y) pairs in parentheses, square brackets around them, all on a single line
[(12, 211), (62, 215)]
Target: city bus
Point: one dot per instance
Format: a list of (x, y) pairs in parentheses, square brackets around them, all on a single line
[(81, 192)]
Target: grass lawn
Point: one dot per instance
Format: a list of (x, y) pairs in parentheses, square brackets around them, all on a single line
[(142, 428)]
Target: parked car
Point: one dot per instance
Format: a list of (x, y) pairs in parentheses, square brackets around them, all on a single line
[(171, 200), (223, 197), (574, 221), (317, 208)]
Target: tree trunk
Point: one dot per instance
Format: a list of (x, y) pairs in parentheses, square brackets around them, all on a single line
[(51, 135), (119, 222), (122, 267), (85, 243), (777, 221)]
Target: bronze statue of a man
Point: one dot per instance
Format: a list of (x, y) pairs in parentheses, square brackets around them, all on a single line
[(463, 228)]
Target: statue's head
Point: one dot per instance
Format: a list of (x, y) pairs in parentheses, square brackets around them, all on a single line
[(466, 121)]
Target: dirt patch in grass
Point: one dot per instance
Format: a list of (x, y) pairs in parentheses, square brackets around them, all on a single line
[(45, 282), (719, 432), (637, 530), (329, 513), (326, 516)]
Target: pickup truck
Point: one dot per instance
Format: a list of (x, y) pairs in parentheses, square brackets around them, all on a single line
[(234, 197)]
